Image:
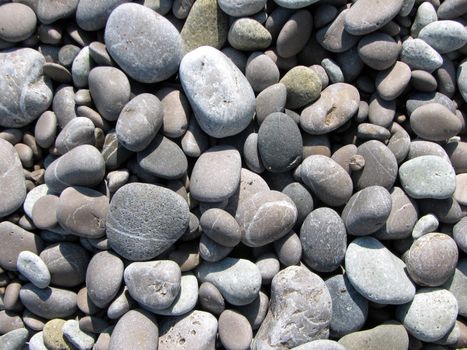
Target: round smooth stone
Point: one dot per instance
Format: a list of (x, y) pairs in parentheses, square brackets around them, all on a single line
[(85, 304), (135, 327), (434, 122), (67, 263), (219, 112), (139, 122), (426, 148), (294, 4), (18, 22), (418, 99), (452, 9), (15, 240), (194, 141), (175, 112), (430, 315), (143, 43), (298, 294), (432, 259), (46, 129), (79, 131), (49, 302), (210, 299), (238, 280), (198, 329), (80, 68), (390, 335), (381, 112), (367, 211), (303, 86), (247, 34), (295, 34), (424, 81), (216, 174), (240, 339), (82, 166), (426, 224), (12, 186), (444, 36), (186, 299), (19, 91), (323, 239), (426, 13), (144, 220), (321, 344), (461, 78), (457, 152), (256, 311), (419, 55), (77, 337), (9, 321), (392, 82), (428, 177), (33, 268), (92, 16), (104, 276), (349, 308), (334, 38), (459, 235), (155, 284), (376, 273), (279, 143), (301, 198), (110, 91), (53, 337), (261, 71), (460, 195), (336, 106), (457, 283), (36, 342), (14, 339), (64, 105), (221, 227), (241, 8), (327, 180), (368, 131), (251, 153), (265, 217), (368, 16), (448, 211), (378, 50), (120, 305), (289, 249)]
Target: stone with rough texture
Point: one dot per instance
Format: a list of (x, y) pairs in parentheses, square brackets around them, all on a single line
[(53, 337), (300, 310), (389, 336), (135, 328), (247, 34), (49, 302), (303, 86), (419, 55), (186, 299)]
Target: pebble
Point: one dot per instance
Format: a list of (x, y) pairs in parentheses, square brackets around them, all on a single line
[(241, 8), (265, 217), (376, 273), (428, 177), (79, 131), (434, 122), (367, 211), (14, 339), (295, 34), (240, 339), (458, 234), (134, 39), (391, 83), (18, 22), (80, 68), (431, 323), (186, 299), (247, 34), (327, 180), (303, 86), (91, 16), (432, 259), (268, 265), (175, 112), (391, 335), (220, 113), (334, 38), (270, 100), (294, 4), (9, 321), (251, 153), (461, 75), (444, 36), (33, 268), (210, 299), (426, 14), (221, 227), (419, 55), (76, 336), (460, 194), (36, 342), (424, 81), (238, 280), (64, 104), (136, 327), (49, 302), (300, 295), (154, 285), (133, 205), (321, 344), (53, 337), (324, 240), (261, 71), (456, 285), (426, 224), (195, 330)]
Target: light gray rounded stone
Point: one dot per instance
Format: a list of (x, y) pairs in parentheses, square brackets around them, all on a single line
[(240, 8), (143, 43), (221, 227), (300, 311), (444, 36), (334, 38), (15, 339), (462, 79), (428, 177), (459, 235), (78, 131), (221, 97), (186, 299), (80, 68), (18, 22), (389, 335), (136, 327), (426, 13), (426, 224), (36, 342), (78, 338), (320, 344), (457, 284), (376, 273), (238, 280), (434, 122), (294, 4), (92, 15), (26, 92), (32, 267), (419, 55)]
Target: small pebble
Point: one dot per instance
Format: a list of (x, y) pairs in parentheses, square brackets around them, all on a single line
[(33, 268)]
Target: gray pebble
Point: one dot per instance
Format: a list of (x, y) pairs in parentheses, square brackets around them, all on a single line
[(459, 235), (456, 284), (444, 36), (426, 224), (135, 327), (120, 305), (270, 100), (46, 129), (64, 104), (294, 4), (210, 299), (392, 82), (240, 339), (194, 141), (251, 153), (79, 131), (176, 112), (18, 22), (334, 38), (261, 71), (268, 266), (302, 200), (425, 15), (92, 16), (419, 55), (78, 338), (80, 68), (33, 268), (247, 34), (381, 112), (186, 299), (221, 227), (15, 339), (321, 344), (36, 342), (424, 81), (461, 78), (434, 122), (289, 249), (241, 8), (295, 34), (389, 335), (211, 251)]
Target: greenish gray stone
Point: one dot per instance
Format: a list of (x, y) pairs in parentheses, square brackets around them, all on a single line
[(303, 86), (386, 336), (248, 35)]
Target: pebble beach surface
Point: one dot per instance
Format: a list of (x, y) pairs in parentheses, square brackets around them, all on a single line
[(233, 174)]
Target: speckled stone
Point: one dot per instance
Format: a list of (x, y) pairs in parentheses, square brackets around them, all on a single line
[(53, 337), (390, 335), (247, 34), (334, 38), (419, 55), (32, 267), (434, 122), (136, 327), (303, 86)]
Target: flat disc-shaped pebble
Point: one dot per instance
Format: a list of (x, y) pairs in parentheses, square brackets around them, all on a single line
[(216, 174), (143, 43), (220, 95), (136, 327), (434, 122), (279, 143), (428, 177), (327, 179), (265, 217), (376, 273), (336, 106), (12, 186), (144, 220), (323, 239), (444, 36)]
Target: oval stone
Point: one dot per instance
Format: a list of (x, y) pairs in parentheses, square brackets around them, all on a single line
[(419, 55), (78, 131), (18, 22), (49, 302), (186, 299), (390, 335), (221, 227), (378, 50), (294, 4), (241, 338), (220, 95), (434, 122), (444, 36), (334, 38), (135, 327), (32, 267)]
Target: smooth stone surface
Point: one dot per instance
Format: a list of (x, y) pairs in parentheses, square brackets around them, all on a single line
[(186, 299), (419, 55), (154, 285), (327, 179), (376, 273), (391, 335), (216, 174), (323, 239), (251, 154), (429, 323), (139, 121), (460, 195), (424, 81), (221, 227), (64, 104), (79, 131), (210, 299), (300, 296), (289, 249), (48, 303), (418, 99), (349, 308), (12, 186), (335, 107), (428, 177), (334, 38), (367, 211), (238, 280), (76, 336), (426, 224), (143, 43), (270, 100), (461, 77), (261, 71), (46, 129), (434, 122), (247, 34), (14, 339), (92, 16), (321, 344), (104, 277), (196, 330), (294, 4), (444, 36), (391, 83), (240, 8), (459, 235), (240, 339), (175, 112), (53, 337), (33, 268), (265, 217), (456, 284), (295, 34), (220, 112), (18, 22), (432, 259), (303, 86), (136, 327), (131, 223)]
